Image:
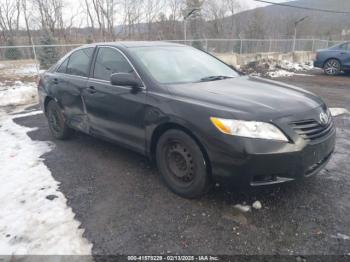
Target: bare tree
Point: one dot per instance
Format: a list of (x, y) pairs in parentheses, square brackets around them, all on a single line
[(50, 12), (151, 10), (196, 19), (104, 12), (215, 11), (256, 26), (26, 14), (131, 15), (233, 6), (9, 18), (175, 7)]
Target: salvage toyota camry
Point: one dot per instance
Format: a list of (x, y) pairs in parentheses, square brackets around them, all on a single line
[(198, 118)]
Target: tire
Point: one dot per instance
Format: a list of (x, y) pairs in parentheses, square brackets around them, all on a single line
[(332, 67), (182, 164), (57, 123)]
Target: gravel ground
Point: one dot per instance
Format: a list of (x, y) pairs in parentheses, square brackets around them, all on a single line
[(125, 208)]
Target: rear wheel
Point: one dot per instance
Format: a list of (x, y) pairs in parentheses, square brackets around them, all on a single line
[(57, 124), (182, 164), (332, 67)]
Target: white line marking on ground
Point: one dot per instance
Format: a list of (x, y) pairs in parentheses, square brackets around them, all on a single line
[(338, 111)]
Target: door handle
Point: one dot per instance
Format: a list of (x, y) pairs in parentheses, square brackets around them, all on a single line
[(92, 90), (55, 81)]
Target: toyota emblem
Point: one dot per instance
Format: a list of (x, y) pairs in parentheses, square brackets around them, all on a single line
[(324, 118)]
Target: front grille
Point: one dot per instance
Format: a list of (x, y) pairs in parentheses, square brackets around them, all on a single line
[(311, 129)]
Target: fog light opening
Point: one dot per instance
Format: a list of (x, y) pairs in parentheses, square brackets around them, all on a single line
[(264, 179)]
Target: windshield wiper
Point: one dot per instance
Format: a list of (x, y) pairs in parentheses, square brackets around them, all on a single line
[(214, 78)]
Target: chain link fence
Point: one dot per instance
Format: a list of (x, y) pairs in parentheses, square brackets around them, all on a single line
[(250, 46), (46, 55)]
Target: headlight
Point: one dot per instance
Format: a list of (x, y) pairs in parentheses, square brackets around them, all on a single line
[(251, 129)]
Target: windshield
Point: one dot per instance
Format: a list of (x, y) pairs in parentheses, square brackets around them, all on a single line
[(177, 64)]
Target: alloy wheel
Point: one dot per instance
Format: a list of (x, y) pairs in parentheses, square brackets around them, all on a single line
[(332, 67)]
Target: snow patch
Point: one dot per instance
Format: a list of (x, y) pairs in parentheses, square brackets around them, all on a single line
[(27, 70), (243, 208), (30, 223), (338, 111), (295, 67), (274, 68), (280, 73), (257, 205), (18, 94), (284, 73), (341, 236)]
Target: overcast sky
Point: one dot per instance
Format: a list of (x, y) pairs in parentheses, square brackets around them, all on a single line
[(250, 4)]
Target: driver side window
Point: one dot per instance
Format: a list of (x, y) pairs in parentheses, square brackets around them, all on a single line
[(108, 62)]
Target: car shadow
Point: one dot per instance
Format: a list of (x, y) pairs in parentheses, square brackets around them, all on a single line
[(125, 208)]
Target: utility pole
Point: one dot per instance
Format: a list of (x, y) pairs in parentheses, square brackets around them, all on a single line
[(295, 31), (188, 15)]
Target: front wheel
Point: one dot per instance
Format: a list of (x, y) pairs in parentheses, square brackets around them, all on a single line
[(332, 67), (182, 164)]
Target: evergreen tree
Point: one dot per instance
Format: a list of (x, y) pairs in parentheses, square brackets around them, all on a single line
[(47, 55), (12, 53), (198, 44), (89, 39)]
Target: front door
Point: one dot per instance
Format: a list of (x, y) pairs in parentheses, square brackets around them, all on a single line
[(115, 112)]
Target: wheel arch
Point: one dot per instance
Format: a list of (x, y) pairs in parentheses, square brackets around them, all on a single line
[(334, 58), (46, 102), (162, 128)]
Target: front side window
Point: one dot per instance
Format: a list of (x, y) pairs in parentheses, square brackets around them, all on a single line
[(108, 62), (79, 62), (177, 64)]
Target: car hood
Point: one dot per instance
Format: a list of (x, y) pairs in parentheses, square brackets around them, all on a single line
[(249, 96)]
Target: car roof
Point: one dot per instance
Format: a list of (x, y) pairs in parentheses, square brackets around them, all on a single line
[(131, 44), (343, 43)]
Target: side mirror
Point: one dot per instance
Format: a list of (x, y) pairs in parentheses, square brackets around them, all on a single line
[(125, 79)]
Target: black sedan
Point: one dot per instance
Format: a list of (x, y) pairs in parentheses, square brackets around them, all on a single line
[(196, 117)]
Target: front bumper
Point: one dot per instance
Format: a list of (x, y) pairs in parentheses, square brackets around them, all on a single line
[(254, 162), (318, 64)]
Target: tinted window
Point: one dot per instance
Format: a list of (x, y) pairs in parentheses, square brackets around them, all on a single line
[(79, 62), (63, 66), (110, 61), (345, 46)]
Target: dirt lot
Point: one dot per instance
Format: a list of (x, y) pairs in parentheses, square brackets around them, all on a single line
[(17, 70), (125, 208)]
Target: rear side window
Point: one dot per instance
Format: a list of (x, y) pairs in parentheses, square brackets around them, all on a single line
[(110, 61), (79, 61), (63, 66)]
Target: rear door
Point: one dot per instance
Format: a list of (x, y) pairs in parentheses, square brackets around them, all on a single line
[(115, 112), (70, 80)]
